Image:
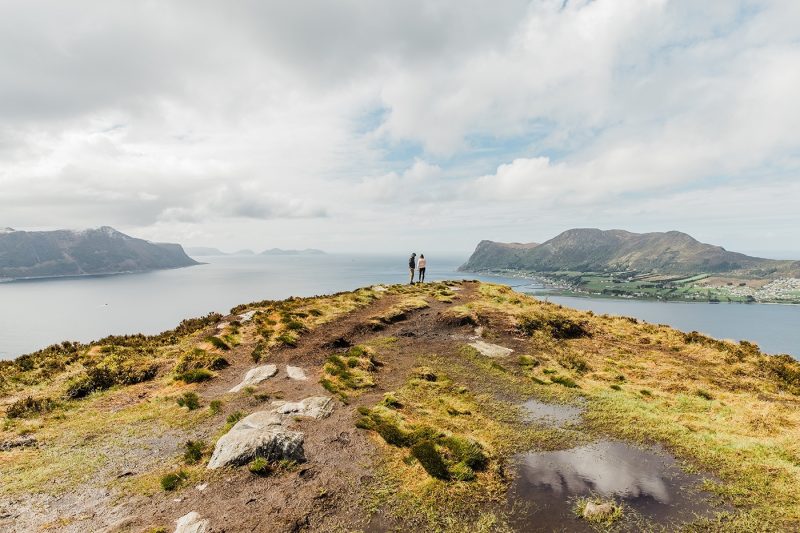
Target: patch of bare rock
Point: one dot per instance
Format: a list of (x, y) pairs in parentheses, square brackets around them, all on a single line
[(295, 372), (191, 523), (255, 376), (491, 350)]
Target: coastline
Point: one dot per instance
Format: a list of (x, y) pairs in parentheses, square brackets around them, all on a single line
[(93, 275), (559, 288)]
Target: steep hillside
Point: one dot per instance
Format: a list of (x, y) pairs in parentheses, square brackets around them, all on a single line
[(40, 254), (438, 407), (490, 255), (594, 250)]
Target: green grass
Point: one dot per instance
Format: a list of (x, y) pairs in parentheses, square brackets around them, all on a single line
[(196, 375), (260, 467), (194, 450), (189, 400), (218, 343), (173, 480)]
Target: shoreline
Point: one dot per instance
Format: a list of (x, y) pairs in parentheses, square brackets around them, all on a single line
[(565, 290), (92, 275)]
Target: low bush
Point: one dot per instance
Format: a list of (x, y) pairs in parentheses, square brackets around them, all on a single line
[(117, 368), (260, 467), (557, 326), (295, 325), (30, 406), (198, 358), (218, 343), (234, 417), (196, 375), (194, 451), (259, 352), (565, 381), (173, 480), (215, 406), (465, 451), (189, 400), (784, 369), (287, 339), (431, 460)]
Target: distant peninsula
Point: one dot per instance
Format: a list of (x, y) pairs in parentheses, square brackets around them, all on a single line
[(207, 251), (60, 253), (279, 251), (661, 265)]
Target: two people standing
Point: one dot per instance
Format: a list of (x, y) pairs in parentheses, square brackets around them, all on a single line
[(418, 265)]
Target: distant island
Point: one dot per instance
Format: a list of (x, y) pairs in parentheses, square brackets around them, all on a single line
[(206, 251), (278, 251), (669, 266), (50, 254)]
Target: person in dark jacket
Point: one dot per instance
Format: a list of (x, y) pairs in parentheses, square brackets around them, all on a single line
[(412, 264)]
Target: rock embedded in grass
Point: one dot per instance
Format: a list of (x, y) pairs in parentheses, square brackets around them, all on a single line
[(295, 372), (255, 376), (598, 512), (192, 523), (260, 434), (491, 350), (313, 407)]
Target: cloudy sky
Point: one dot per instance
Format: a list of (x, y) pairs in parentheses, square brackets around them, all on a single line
[(384, 126)]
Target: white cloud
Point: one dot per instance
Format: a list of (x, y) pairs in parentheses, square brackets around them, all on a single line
[(427, 119)]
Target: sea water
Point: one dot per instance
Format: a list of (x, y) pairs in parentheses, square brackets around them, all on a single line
[(34, 314)]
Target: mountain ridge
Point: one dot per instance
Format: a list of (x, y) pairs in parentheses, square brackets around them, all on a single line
[(592, 249), (94, 251)]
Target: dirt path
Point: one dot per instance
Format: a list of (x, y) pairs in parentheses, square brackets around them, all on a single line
[(325, 492)]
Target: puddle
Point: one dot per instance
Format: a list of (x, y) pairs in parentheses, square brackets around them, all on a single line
[(648, 483), (552, 414)]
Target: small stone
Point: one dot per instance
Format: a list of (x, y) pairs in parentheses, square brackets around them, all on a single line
[(295, 372), (191, 523), (491, 350), (379, 288), (256, 375), (314, 407), (202, 487)]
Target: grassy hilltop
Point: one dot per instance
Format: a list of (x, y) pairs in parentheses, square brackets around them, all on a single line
[(427, 382)]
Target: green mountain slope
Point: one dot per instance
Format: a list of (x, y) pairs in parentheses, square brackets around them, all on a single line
[(34, 254), (594, 250)]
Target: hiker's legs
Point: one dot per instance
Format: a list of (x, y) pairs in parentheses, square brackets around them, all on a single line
[(422, 274), (411, 281)]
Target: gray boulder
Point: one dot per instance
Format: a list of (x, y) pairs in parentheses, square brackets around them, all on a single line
[(257, 435), (255, 376)]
